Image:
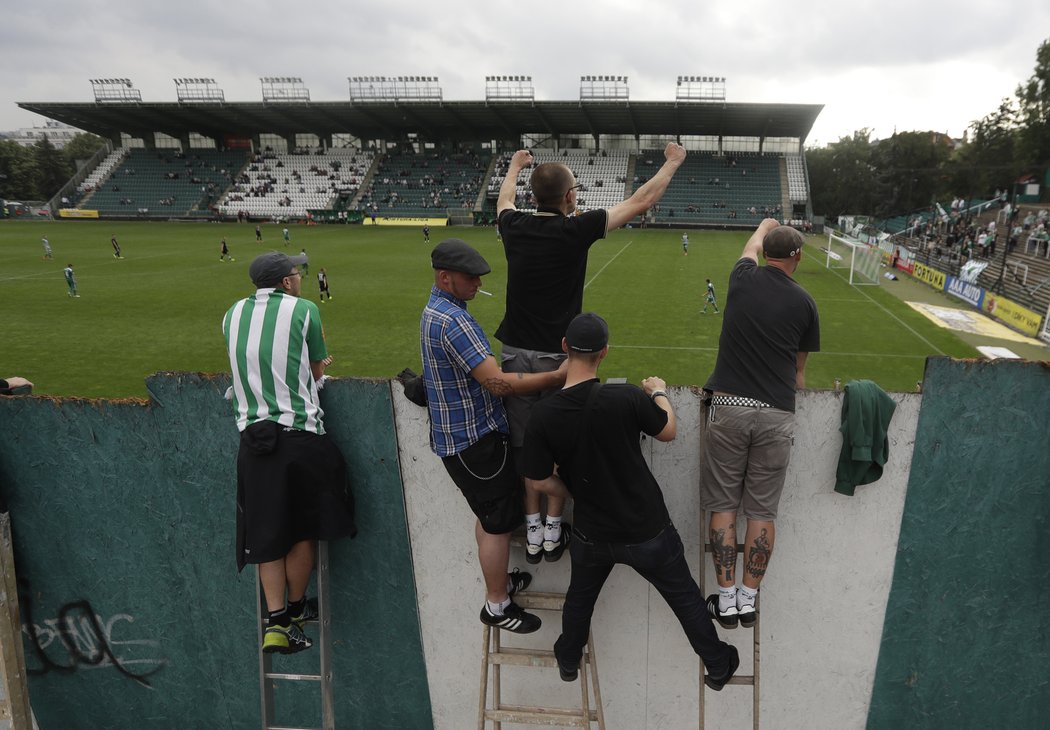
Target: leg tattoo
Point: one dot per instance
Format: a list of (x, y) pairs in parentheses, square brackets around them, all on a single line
[(723, 549), (758, 556)]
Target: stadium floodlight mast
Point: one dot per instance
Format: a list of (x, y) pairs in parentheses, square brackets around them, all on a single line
[(279, 89), (198, 90), (394, 88), (604, 88), (115, 91), (700, 88), (509, 88)]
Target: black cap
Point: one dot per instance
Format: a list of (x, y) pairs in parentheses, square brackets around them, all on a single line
[(783, 242), (269, 268), (587, 333), (454, 254)]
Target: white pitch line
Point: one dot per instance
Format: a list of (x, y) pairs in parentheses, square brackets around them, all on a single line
[(607, 263), (894, 316)]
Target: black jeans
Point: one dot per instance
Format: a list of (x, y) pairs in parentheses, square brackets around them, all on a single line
[(661, 561)]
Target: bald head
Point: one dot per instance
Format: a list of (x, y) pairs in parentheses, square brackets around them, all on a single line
[(783, 242), (550, 181)]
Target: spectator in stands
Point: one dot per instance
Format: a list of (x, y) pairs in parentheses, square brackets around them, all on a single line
[(770, 326), (591, 434), (546, 265), (292, 486), (468, 423)]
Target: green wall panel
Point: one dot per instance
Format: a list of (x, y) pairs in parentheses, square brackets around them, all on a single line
[(123, 520), (965, 642)]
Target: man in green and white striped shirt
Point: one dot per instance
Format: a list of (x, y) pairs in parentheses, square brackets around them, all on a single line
[(277, 352), (292, 484)]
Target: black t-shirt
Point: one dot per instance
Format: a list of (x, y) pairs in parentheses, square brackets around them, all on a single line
[(616, 497), (546, 266), (768, 319)]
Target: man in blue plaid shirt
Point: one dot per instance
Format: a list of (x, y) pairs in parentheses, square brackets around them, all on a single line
[(468, 424)]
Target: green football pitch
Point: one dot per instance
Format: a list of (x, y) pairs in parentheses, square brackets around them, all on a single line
[(160, 308)]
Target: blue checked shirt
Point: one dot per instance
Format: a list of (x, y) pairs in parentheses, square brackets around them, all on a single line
[(452, 344)]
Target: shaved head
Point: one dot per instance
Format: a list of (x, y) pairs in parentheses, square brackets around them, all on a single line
[(550, 181)]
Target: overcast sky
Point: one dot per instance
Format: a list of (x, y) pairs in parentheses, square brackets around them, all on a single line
[(883, 65)]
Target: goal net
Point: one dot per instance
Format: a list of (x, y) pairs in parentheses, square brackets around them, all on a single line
[(861, 260)]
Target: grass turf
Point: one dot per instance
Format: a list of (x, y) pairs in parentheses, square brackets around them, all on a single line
[(161, 307)]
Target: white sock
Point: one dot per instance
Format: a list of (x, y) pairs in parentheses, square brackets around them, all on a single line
[(746, 596), (726, 598), (534, 529), (552, 530), (496, 609)]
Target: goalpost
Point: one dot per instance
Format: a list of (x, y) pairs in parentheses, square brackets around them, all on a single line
[(862, 260)]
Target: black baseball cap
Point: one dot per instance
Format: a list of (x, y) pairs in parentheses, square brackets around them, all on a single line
[(587, 333), (783, 242), (454, 254), (269, 268)]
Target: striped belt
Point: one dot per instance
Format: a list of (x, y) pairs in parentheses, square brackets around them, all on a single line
[(734, 400)]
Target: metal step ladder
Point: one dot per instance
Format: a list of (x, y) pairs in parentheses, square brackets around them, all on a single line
[(495, 656), (322, 644), (753, 679)]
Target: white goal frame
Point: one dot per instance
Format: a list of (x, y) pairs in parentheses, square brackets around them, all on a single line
[(870, 258)]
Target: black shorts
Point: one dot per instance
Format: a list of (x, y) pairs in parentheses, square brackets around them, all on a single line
[(486, 476), (291, 486)]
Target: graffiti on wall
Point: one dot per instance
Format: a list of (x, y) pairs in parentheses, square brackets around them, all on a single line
[(81, 638)]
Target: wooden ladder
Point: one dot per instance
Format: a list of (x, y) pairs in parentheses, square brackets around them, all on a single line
[(494, 655), (752, 679), (14, 688), (323, 644)]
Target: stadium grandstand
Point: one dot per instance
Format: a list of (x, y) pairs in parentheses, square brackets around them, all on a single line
[(404, 161)]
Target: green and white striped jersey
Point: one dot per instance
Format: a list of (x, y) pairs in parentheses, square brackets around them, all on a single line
[(272, 337)]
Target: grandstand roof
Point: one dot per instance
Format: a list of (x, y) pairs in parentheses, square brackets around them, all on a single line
[(437, 121)]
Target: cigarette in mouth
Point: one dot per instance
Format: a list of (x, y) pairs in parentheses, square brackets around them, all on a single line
[(486, 293)]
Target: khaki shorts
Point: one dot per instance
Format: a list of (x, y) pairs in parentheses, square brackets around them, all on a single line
[(516, 360), (744, 455)]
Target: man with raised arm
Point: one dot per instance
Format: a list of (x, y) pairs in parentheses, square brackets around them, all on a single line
[(770, 325), (546, 266), (591, 433), (468, 425)]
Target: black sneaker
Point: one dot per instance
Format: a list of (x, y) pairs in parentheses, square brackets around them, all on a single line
[(285, 639), (747, 615), (309, 613), (717, 683), (552, 550), (517, 581), (568, 673), (728, 619), (534, 547), (515, 619)]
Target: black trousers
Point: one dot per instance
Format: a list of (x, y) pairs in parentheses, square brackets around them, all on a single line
[(661, 561)]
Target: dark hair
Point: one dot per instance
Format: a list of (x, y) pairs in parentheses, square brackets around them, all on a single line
[(550, 181), (591, 358)]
